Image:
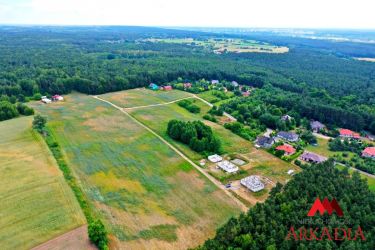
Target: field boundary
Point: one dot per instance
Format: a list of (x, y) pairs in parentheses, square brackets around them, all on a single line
[(243, 207)]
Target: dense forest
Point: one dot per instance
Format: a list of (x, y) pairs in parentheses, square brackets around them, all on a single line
[(266, 226), (314, 79)]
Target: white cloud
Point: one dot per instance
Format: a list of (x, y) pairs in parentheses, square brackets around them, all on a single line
[(239, 13)]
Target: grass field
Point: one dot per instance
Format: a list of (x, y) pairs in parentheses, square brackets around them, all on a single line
[(147, 195), (141, 97), (208, 96), (323, 149), (261, 162), (36, 203)]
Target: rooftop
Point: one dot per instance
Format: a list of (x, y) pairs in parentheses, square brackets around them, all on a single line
[(253, 183), (215, 158), (227, 166)]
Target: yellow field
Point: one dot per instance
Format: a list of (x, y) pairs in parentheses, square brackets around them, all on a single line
[(36, 203)]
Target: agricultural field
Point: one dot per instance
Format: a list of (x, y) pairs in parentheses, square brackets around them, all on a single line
[(222, 45), (143, 96), (210, 97), (259, 161), (36, 203), (147, 195)]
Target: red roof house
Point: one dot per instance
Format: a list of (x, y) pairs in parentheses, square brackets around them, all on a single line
[(288, 149), (187, 85), (369, 152), (347, 133), (168, 87)]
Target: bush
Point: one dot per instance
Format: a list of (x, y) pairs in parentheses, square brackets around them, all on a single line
[(210, 118), (39, 123), (98, 234), (24, 110), (188, 105), (7, 111)]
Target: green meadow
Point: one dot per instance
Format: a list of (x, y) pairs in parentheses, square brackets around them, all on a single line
[(261, 162), (146, 194), (143, 96), (36, 203)]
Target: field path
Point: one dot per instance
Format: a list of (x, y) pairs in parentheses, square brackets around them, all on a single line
[(74, 239), (159, 104), (243, 207), (211, 105)]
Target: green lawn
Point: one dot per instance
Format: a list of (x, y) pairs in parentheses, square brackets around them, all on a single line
[(157, 119), (36, 203), (147, 195), (323, 149), (208, 96), (142, 97), (370, 181)]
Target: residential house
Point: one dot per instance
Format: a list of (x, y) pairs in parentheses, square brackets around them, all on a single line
[(289, 136), (153, 86), (347, 133), (252, 183), (288, 149), (228, 167), (187, 85), (57, 98), (369, 152), (235, 84), (247, 93), (166, 88), (312, 157), (286, 118), (317, 126), (215, 158), (264, 142), (214, 82), (46, 100)]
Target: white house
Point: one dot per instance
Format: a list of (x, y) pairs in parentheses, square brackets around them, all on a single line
[(45, 99), (252, 183), (215, 158), (228, 167)]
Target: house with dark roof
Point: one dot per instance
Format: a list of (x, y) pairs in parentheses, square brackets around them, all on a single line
[(369, 152), (288, 149), (312, 157), (317, 126), (264, 142), (289, 136)]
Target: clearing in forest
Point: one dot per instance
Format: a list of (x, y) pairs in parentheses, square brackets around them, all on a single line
[(36, 203), (147, 195)]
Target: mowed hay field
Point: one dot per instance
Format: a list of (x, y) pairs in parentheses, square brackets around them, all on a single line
[(261, 162), (36, 203), (146, 194), (143, 96)]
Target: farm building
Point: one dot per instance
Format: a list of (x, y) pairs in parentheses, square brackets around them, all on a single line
[(252, 183), (288, 149), (215, 158), (166, 88), (289, 136), (264, 142), (228, 167), (369, 152), (317, 126), (46, 100), (214, 81), (153, 86), (312, 157), (347, 133), (57, 98)]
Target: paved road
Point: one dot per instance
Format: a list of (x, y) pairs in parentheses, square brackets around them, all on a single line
[(243, 207)]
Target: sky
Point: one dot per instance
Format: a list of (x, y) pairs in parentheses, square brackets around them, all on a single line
[(357, 14)]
